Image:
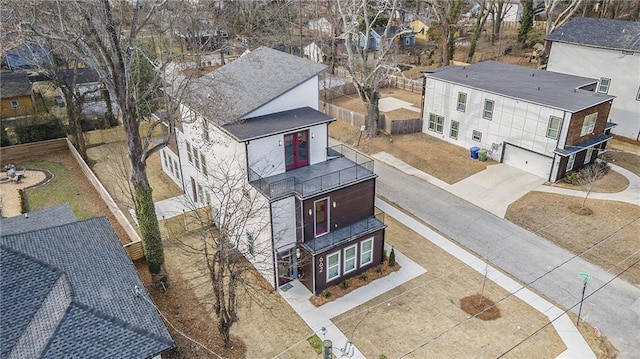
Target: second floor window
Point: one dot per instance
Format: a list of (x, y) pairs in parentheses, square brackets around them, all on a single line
[(554, 127), (589, 124), (487, 113), (203, 163), (603, 85), (436, 123), (15, 105), (462, 101), (189, 155)]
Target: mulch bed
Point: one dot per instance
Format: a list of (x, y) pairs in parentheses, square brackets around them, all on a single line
[(481, 307)]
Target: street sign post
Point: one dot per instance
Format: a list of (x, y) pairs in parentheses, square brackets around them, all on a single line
[(585, 278)]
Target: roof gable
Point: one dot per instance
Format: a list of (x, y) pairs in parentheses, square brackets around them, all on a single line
[(15, 84), (248, 83), (82, 76), (601, 33), (547, 88)]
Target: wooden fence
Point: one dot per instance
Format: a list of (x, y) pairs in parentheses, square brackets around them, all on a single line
[(27, 151), (186, 222), (357, 119), (404, 126)]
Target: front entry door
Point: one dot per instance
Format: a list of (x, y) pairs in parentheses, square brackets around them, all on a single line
[(286, 267), (296, 149)]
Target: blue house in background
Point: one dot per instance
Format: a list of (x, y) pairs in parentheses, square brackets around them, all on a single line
[(27, 56), (407, 37)]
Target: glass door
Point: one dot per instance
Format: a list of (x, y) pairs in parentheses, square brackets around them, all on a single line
[(296, 149)]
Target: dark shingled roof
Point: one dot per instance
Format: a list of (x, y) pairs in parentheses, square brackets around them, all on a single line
[(33, 221), (246, 84), (602, 33), (276, 123), (15, 84), (550, 89), (104, 310), (83, 76)]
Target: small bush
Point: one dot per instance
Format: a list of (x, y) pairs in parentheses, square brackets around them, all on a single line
[(316, 343), (384, 254), (379, 269), (39, 128), (382, 356), (572, 177), (392, 258), (24, 203), (326, 293), (363, 277), (345, 284)]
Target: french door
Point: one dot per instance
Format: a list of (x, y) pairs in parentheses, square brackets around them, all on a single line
[(296, 149)]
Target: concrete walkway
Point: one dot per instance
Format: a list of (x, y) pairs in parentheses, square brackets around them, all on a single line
[(320, 317)]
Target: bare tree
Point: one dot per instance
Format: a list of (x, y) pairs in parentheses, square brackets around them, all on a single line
[(104, 35), (447, 13), (498, 10), (550, 6), (587, 178), (369, 68), (481, 18)]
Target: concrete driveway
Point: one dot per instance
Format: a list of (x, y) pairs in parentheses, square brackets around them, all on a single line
[(495, 188)]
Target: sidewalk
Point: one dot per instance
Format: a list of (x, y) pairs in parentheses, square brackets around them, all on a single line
[(320, 317)]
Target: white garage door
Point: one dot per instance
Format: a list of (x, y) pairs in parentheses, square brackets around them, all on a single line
[(528, 161)]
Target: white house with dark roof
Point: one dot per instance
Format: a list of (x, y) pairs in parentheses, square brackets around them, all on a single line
[(607, 50), (255, 122), (69, 290), (543, 122)]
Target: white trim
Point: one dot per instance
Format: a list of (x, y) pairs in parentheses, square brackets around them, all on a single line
[(354, 258), (588, 155), (362, 252), (571, 162), (327, 219), (336, 265)]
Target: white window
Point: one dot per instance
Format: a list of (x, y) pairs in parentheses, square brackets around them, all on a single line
[(164, 160), (477, 136), (554, 127), (207, 196), (366, 252), (487, 114), (588, 155), (571, 161), (462, 101), (200, 192), (189, 155), (15, 105), (589, 124), (175, 169), (638, 95), (453, 131), (203, 162), (196, 158), (349, 259), (603, 85), (436, 123), (333, 266)]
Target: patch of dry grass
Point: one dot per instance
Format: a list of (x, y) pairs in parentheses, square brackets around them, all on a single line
[(445, 161), (611, 182), (611, 229)]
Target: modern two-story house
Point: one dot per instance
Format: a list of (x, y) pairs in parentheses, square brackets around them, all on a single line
[(251, 131), (543, 122), (608, 50)]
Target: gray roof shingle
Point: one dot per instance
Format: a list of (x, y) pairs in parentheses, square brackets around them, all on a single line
[(15, 84), (550, 89), (33, 221), (248, 83), (102, 280), (602, 33)]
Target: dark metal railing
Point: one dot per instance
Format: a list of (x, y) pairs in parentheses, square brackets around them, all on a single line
[(346, 234)]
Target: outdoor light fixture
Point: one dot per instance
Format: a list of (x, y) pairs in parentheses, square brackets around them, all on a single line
[(298, 253), (334, 204), (313, 135), (279, 142), (310, 211)]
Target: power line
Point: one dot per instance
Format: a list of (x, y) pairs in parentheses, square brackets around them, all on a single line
[(565, 312)]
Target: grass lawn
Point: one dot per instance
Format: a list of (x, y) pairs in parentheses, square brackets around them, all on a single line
[(61, 189)]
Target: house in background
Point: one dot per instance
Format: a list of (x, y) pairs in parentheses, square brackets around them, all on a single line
[(17, 95), (68, 289), (320, 27), (420, 29), (86, 83), (316, 52), (608, 50), (542, 122), (253, 127), (27, 56), (378, 38)]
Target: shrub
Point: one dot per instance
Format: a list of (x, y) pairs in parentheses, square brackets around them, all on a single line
[(382, 356), (40, 128), (392, 258), (326, 293), (379, 269), (24, 203), (363, 277), (572, 177), (345, 284), (384, 254)]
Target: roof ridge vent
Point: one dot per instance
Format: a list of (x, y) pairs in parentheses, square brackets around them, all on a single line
[(538, 88), (533, 74)]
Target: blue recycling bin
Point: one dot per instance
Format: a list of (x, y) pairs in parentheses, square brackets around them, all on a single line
[(474, 152)]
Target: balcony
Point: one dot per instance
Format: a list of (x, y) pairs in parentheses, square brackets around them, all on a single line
[(345, 234), (342, 167)]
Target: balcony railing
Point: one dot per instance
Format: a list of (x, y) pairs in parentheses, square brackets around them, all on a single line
[(346, 234), (344, 165)]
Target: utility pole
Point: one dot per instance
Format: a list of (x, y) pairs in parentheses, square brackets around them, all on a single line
[(585, 279)]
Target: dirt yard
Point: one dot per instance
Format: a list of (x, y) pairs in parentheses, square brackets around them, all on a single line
[(447, 162), (9, 194)]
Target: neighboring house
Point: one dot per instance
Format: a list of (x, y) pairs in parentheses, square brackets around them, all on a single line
[(316, 52), (608, 50), (255, 124), (320, 26), (70, 290), (377, 38), (17, 95), (27, 56), (543, 122), (420, 29), (85, 81)]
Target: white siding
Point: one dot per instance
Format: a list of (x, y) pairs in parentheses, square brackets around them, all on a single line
[(622, 69), (515, 121), (303, 95), (284, 223)]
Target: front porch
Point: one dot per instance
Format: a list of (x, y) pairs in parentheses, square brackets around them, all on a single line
[(345, 234)]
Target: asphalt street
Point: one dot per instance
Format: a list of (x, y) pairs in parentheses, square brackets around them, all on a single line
[(552, 271)]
